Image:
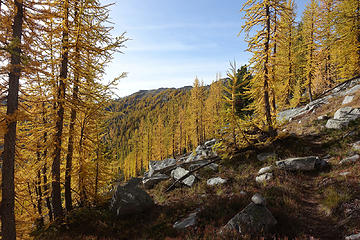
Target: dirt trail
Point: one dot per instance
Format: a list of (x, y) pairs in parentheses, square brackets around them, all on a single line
[(317, 223)]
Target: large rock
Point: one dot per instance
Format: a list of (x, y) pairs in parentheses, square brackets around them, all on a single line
[(342, 113), (179, 172), (351, 159), (189, 221), (352, 90), (253, 219), (258, 199), (336, 124), (348, 99), (203, 152), (267, 169), (150, 182), (157, 166), (264, 177), (347, 88), (356, 146), (212, 166), (130, 199), (343, 117), (299, 164), (353, 237), (215, 181)]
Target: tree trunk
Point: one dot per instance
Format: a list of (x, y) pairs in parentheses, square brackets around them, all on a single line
[(273, 102), (44, 171), (38, 190), (70, 150), (97, 175), (266, 74), (311, 61), (8, 156), (290, 85), (55, 171), (81, 167)]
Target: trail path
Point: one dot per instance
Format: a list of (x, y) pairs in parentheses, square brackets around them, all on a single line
[(317, 223)]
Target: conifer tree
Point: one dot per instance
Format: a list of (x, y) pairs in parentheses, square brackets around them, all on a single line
[(8, 156), (260, 14), (348, 42), (286, 56), (327, 40), (309, 35), (55, 170)]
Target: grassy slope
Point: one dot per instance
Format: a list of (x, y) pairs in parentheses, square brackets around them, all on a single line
[(324, 205)]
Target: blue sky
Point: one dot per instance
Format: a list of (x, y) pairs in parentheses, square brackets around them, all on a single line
[(174, 41)]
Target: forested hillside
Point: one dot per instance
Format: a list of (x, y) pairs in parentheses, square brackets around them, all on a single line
[(65, 142), (157, 124)]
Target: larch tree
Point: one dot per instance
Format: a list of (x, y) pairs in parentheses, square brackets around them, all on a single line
[(8, 156), (259, 15), (348, 34), (309, 33), (327, 38), (213, 107), (196, 108), (55, 170), (286, 56)]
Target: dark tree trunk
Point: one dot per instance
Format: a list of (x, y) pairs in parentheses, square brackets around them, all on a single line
[(44, 171), (70, 150), (38, 190), (290, 82), (55, 171), (97, 175), (8, 156), (273, 102), (266, 74), (310, 76), (82, 190)]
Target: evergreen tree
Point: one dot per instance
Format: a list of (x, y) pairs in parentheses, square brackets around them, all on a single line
[(8, 156), (348, 41), (310, 44), (286, 56), (260, 14)]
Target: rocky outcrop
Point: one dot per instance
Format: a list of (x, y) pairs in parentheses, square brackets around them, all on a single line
[(130, 199), (179, 173), (300, 163), (189, 221), (254, 218), (351, 159), (353, 237), (159, 170), (264, 177), (356, 146), (267, 169), (158, 166), (344, 89), (343, 117), (212, 166), (348, 99), (203, 152)]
